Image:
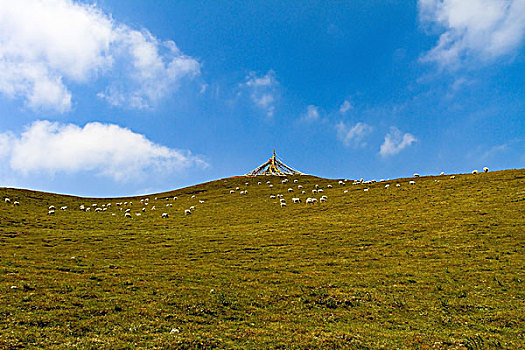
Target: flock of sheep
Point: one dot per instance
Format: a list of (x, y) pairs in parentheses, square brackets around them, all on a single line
[(126, 207)]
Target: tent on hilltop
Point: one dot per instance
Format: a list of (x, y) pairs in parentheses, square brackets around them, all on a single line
[(274, 166)]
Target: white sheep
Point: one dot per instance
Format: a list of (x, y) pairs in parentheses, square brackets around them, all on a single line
[(16, 203), (258, 182), (416, 175), (322, 199), (320, 190), (192, 208), (164, 215), (474, 172), (143, 210), (7, 200), (127, 215), (442, 173), (187, 212), (316, 186), (453, 177), (237, 188), (138, 214), (201, 201), (411, 182), (270, 186), (193, 196), (153, 208), (299, 186), (98, 210), (303, 192), (290, 190), (345, 191), (51, 207), (51, 212), (296, 200), (63, 207), (128, 210), (295, 180), (282, 200), (387, 185), (366, 189), (342, 183), (485, 170), (232, 191), (398, 185), (329, 186), (283, 204), (272, 196), (314, 191), (89, 209)]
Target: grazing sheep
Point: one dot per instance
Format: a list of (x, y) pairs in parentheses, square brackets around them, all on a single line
[(282, 200), (94, 205), (143, 210), (316, 186), (311, 200), (453, 177), (345, 191), (247, 183), (127, 215), (329, 186), (51, 207), (314, 191), (280, 195), (7, 200), (98, 209), (342, 183), (63, 208), (296, 200), (411, 182), (138, 214), (193, 196), (295, 180), (259, 182), (320, 190), (89, 209), (272, 196), (366, 189), (485, 170), (442, 173), (237, 188), (322, 199), (201, 201), (290, 190), (398, 185), (299, 186), (271, 186), (153, 208), (51, 212), (155, 198), (128, 210), (474, 172), (175, 198), (303, 192), (187, 212), (16, 203), (232, 191), (164, 215), (268, 182), (283, 204), (387, 185), (416, 175), (192, 208)]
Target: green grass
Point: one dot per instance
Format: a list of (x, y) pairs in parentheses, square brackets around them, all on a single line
[(435, 265)]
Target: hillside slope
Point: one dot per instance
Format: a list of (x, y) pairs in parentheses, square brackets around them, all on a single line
[(437, 264)]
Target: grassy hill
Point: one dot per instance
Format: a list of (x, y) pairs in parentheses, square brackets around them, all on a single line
[(438, 264)]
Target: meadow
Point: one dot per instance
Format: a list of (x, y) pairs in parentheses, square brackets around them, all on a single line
[(434, 265)]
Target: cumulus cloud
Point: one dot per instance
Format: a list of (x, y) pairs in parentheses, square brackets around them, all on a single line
[(395, 142), (105, 149), (345, 107), (312, 114), (48, 45), (263, 91), (479, 29), (352, 136)]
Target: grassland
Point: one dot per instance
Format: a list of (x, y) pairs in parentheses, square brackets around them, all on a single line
[(435, 265)]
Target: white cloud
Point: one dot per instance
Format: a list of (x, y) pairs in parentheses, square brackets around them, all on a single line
[(263, 91), (312, 114), (395, 142), (48, 45), (345, 107), (105, 149), (352, 136), (479, 29)]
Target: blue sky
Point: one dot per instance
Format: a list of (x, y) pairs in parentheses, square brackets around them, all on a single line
[(127, 97)]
